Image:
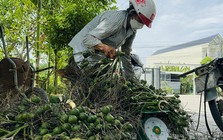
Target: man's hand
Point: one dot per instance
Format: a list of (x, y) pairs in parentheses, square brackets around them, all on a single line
[(108, 51)]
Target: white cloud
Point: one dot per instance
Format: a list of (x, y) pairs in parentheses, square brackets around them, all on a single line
[(173, 18), (176, 2), (216, 10), (211, 31), (208, 21)]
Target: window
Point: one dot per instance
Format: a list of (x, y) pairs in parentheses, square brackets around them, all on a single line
[(175, 78)]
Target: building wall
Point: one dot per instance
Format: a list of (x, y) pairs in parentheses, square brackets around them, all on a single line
[(216, 47), (190, 56)]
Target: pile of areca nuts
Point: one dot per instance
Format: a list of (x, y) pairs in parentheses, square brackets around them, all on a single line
[(102, 105)]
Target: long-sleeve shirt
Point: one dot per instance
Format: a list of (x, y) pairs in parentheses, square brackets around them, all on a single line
[(109, 28)]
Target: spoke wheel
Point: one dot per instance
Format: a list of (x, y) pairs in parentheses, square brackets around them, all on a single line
[(216, 114)]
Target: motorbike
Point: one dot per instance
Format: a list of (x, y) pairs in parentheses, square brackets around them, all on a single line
[(209, 82)]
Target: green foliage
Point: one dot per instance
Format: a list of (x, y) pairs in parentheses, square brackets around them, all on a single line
[(175, 68), (60, 21), (166, 87), (64, 21), (17, 20), (206, 60), (186, 84)]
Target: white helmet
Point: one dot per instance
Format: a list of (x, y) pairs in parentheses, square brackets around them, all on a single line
[(145, 9)]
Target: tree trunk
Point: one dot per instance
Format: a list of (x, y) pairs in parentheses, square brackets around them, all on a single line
[(48, 71), (55, 73), (38, 40)]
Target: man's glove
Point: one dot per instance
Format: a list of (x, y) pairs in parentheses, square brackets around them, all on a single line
[(108, 51)]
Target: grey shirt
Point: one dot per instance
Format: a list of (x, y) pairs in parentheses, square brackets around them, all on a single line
[(108, 28)]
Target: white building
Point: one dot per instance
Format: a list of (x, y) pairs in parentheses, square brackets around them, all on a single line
[(188, 54)]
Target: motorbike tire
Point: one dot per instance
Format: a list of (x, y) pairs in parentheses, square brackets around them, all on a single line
[(38, 92), (216, 114)]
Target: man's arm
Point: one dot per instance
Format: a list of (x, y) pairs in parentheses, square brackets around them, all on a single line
[(103, 30), (108, 51)]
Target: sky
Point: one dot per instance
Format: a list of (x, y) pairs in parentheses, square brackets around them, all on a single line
[(177, 22)]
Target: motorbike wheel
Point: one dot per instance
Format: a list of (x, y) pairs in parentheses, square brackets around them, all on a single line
[(38, 92), (216, 114)]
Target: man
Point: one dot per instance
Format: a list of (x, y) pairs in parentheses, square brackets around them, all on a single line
[(111, 30)]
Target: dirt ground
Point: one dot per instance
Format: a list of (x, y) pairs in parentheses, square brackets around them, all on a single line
[(191, 103)]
